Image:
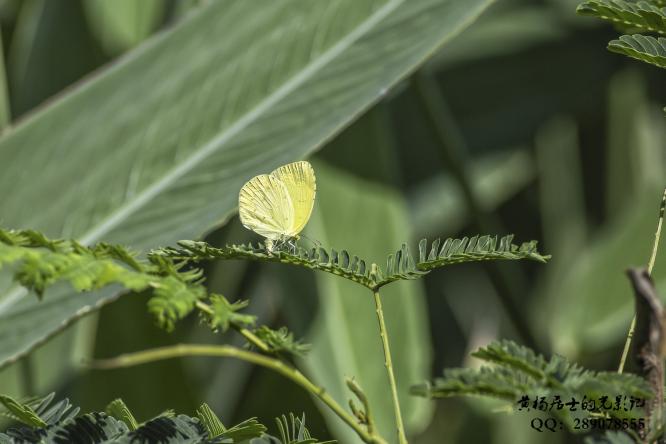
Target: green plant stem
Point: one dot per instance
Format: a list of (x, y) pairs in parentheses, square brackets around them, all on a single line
[(180, 350), (360, 394), (653, 258), (247, 334), (402, 439)]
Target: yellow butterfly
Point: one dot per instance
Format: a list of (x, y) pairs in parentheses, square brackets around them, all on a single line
[(278, 205)]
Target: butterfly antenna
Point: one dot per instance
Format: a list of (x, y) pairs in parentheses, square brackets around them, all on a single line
[(315, 242)]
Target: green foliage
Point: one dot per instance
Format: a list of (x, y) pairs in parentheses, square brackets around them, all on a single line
[(175, 281), (341, 264), (281, 341), (90, 427), (647, 49), (22, 412), (49, 425), (518, 371), (118, 409), (209, 419), (476, 248), (38, 412), (173, 299), (293, 430), (244, 431), (642, 16), (399, 266), (176, 288), (146, 184), (48, 411), (224, 313), (39, 262)]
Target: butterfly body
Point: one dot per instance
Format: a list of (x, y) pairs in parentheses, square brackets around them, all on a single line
[(278, 205)]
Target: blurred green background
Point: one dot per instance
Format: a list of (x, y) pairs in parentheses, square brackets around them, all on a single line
[(522, 124)]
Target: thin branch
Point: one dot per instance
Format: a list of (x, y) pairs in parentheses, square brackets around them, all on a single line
[(175, 351), (389, 369), (653, 258), (366, 415)]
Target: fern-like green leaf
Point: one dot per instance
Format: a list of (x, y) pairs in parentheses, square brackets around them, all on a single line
[(53, 412), (281, 341), (647, 49), (293, 431), (39, 262), (520, 372), (338, 263), (119, 410), (510, 354), (89, 428), (641, 16), (210, 420), (22, 412), (177, 287), (557, 372), (224, 313), (499, 382), (400, 266), (172, 300), (244, 432), (37, 268), (118, 426), (477, 248), (179, 429)]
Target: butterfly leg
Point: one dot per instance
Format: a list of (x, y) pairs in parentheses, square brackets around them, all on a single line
[(279, 244)]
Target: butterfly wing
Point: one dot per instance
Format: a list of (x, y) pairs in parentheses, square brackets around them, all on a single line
[(299, 178), (265, 207)]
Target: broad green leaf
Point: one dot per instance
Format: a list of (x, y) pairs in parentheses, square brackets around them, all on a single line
[(5, 112), (34, 78), (122, 24), (207, 112), (40, 65)]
